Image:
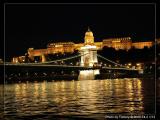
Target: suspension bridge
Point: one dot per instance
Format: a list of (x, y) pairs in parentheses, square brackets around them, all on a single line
[(58, 64)]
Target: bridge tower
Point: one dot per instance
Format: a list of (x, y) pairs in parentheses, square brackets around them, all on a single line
[(89, 50)]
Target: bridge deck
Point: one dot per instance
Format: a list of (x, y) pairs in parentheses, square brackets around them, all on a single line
[(66, 66)]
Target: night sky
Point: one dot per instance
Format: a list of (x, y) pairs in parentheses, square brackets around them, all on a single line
[(36, 25)]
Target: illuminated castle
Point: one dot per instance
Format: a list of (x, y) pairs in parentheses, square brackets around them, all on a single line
[(124, 43)]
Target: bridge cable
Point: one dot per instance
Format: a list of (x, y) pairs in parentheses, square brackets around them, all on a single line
[(64, 59), (109, 60)]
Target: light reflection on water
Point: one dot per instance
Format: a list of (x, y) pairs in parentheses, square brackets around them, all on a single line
[(94, 98)]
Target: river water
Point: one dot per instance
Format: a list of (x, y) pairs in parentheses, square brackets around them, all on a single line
[(82, 99)]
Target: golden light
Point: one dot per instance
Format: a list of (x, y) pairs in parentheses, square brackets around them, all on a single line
[(129, 64), (138, 64)]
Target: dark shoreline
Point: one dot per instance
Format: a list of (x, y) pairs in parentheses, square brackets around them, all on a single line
[(68, 77)]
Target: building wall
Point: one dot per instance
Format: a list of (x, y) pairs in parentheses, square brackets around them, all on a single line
[(99, 45), (124, 43), (15, 60), (141, 45), (78, 46), (20, 59), (61, 47), (51, 49), (36, 52), (107, 43)]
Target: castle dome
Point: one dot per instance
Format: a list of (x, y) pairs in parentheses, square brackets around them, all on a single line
[(89, 38), (89, 32)]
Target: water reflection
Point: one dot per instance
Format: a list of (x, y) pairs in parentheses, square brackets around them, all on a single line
[(86, 97), (88, 74)]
